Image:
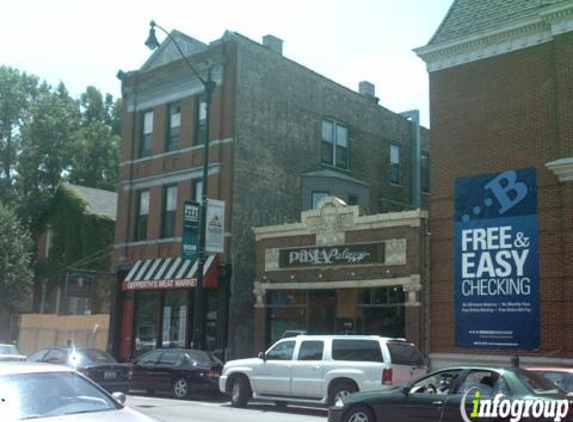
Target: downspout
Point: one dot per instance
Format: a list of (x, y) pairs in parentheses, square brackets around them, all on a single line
[(414, 117)]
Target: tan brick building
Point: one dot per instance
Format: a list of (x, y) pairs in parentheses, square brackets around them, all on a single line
[(501, 96)]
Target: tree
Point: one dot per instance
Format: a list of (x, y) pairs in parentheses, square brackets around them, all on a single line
[(16, 274), (16, 93), (95, 150)]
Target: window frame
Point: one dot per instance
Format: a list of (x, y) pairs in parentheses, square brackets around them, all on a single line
[(146, 138), (168, 216), (200, 123), (172, 134), (141, 220), (425, 172), (334, 145), (395, 168)]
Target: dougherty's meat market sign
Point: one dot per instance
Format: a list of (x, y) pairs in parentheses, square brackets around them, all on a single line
[(355, 254)]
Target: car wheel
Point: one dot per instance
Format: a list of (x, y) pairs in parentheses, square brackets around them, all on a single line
[(240, 391), (181, 388), (341, 389), (360, 414)]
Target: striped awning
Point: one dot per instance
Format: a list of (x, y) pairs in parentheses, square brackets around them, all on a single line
[(169, 273)]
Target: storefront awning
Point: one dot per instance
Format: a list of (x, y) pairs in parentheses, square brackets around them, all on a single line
[(169, 273)]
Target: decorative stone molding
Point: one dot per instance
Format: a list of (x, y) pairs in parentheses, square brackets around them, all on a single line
[(259, 292), (395, 252), (494, 42), (563, 169), (331, 221), (272, 257)]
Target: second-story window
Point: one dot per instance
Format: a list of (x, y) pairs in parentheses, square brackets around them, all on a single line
[(173, 127), (142, 215), (169, 211), (425, 172), (316, 197), (395, 164), (197, 193), (146, 139), (201, 122), (335, 144)]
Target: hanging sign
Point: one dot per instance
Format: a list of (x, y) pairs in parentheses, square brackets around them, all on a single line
[(190, 238)]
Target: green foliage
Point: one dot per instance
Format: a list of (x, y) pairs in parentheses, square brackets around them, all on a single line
[(79, 234), (16, 275)]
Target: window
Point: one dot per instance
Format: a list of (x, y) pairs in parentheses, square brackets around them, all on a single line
[(169, 358), (352, 200), (146, 139), (311, 350), (169, 211), (335, 144), (142, 215), (395, 163), (402, 353), (173, 127), (282, 351), (201, 126), (438, 383), (197, 193), (425, 172), (149, 358), (316, 197), (357, 350)]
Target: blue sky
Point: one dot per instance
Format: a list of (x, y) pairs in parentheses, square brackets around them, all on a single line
[(86, 43)]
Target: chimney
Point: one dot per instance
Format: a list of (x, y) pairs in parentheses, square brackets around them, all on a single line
[(273, 43), (368, 90)]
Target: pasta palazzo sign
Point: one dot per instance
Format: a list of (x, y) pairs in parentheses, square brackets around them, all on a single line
[(496, 261)]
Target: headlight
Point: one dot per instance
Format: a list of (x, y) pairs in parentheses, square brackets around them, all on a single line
[(338, 403)]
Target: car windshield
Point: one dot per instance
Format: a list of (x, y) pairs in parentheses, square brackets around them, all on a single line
[(8, 349), (38, 395), (90, 356), (203, 358), (537, 383)]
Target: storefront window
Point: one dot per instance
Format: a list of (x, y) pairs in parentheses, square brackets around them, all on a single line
[(287, 311), (383, 311), (174, 318), (146, 321)]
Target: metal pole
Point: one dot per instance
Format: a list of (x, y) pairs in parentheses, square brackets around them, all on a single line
[(198, 311)]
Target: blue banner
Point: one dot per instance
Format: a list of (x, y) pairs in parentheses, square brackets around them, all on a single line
[(190, 238), (496, 261)]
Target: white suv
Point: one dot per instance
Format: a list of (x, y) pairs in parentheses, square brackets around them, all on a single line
[(319, 369)]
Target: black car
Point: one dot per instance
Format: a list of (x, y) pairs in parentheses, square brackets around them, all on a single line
[(438, 396), (96, 364), (181, 372)]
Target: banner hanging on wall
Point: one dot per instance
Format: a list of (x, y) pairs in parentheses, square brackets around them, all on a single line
[(190, 238), (496, 261)]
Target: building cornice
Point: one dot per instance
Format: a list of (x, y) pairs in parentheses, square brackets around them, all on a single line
[(521, 34), (562, 169)]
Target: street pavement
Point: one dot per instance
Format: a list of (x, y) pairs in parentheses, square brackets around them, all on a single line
[(170, 410)]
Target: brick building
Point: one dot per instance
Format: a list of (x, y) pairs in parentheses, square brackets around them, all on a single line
[(501, 96), (282, 138)]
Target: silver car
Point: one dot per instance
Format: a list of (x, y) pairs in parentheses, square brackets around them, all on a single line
[(10, 352), (56, 393)]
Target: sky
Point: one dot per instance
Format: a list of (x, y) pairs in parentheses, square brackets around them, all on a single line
[(86, 43)]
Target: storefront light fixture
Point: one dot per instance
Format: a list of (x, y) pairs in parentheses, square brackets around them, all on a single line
[(209, 86)]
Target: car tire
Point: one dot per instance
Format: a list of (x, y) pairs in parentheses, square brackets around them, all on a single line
[(360, 414), (340, 389), (240, 391), (180, 388)]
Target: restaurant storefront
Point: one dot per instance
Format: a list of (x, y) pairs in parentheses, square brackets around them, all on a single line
[(340, 272), (157, 300)]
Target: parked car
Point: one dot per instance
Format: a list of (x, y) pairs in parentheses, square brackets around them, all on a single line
[(563, 377), (181, 372), (96, 364), (39, 391), (10, 352), (321, 368), (438, 396)]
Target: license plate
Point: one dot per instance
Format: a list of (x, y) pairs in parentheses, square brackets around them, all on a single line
[(109, 375)]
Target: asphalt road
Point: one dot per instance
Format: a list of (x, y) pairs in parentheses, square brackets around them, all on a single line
[(170, 410)]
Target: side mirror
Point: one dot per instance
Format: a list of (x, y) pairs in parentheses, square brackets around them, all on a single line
[(119, 397), (262, 356), (405, 389)]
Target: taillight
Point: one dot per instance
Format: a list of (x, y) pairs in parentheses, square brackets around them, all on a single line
[(387, 376)]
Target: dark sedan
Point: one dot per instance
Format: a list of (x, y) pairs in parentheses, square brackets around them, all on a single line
[(96, 364), (181, 372), (438, 396)]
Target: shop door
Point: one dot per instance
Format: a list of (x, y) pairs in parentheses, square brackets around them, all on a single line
[(321, 311)]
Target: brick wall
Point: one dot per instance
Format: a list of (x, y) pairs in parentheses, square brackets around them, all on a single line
[(507, 112)]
